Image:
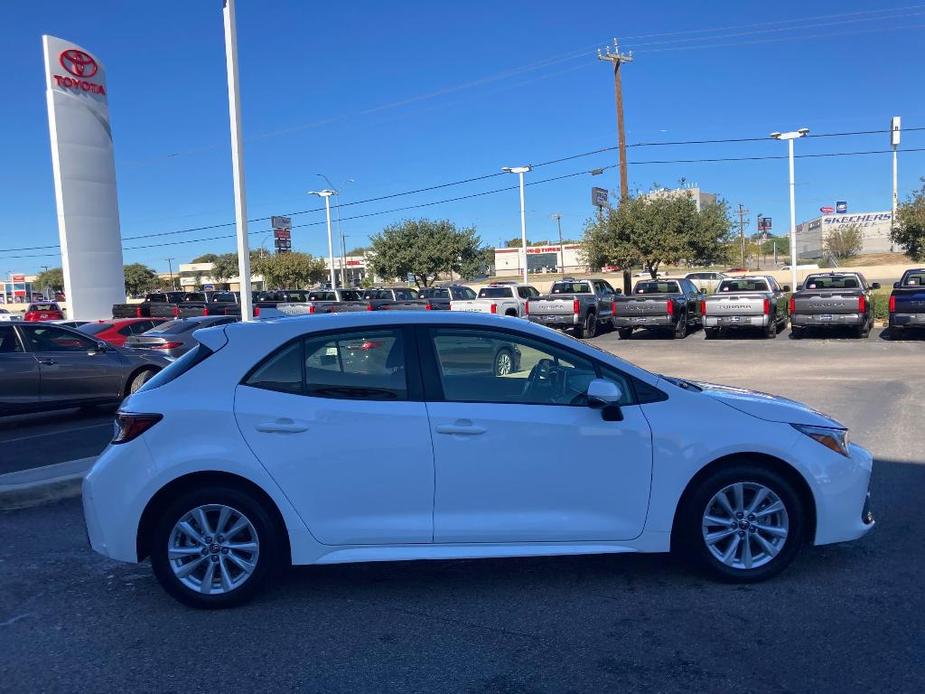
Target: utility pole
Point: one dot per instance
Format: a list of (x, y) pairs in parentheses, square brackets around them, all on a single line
[(558, 218), (170, 269), (742, 212), (616, 59), (895, 124)]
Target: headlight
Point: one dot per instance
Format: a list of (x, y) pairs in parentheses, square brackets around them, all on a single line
[(835, 439)]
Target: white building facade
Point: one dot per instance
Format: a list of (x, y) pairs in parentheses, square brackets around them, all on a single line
[(552, 258), (875, 232), (701, 198)]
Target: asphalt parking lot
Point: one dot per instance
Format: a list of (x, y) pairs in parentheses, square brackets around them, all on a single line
[(842, 618)]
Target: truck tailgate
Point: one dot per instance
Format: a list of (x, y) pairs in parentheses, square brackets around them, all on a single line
[(629, 307), (734, 305), (473, 305), (909, 300), (835, 301), (559, 306)]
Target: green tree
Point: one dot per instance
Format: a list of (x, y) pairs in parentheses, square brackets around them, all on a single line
[(204, 258), (139, 279), (359, 250), (844, 242), (289, 270), (53, 278), (224, 267), (425, 249), (909, 226), (657, 231)]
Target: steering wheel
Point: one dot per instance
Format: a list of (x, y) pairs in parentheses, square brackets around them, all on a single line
[(545, 376)]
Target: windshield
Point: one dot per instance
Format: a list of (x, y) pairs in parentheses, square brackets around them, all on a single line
[(43, 307), (832, 282), (655, 287), (571, 288), (195, 296), (914, 279), (349, 295), (94, 328), (496, 293), (744, 284), (173, 327)]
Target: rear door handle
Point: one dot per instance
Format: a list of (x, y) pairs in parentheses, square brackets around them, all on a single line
[(47, 362), (282, 426), (463, 429)]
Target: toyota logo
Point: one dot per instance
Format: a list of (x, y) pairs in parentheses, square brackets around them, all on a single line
[(78, 63)]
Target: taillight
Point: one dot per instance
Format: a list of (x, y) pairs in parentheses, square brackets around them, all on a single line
[(205, 311), (369, 307), (131, 426), (163, 345), (526, 308), (670, 306), (576, 306), (428, 307), (176, 311), (256, 311), (793, 305), (613, 308), (767, 307), (862, 304), (494, 308), (311, 308), (703, 308), (892, 304), (138, 312)]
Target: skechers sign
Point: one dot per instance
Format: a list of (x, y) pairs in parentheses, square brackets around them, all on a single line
[(81, 66)]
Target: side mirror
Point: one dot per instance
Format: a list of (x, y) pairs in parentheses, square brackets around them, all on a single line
[(786, 287), (703, 290), (896, 285), (100, 347), (602, 393), (875, 285)]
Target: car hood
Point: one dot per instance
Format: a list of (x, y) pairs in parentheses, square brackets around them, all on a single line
[(771, 408)]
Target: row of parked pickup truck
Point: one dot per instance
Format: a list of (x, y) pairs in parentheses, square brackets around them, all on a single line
[(587, 306)]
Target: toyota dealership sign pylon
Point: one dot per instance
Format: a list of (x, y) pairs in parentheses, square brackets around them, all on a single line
[(85, 179)]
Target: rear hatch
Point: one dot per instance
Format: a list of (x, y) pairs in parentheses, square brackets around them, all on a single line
[(828, 301)]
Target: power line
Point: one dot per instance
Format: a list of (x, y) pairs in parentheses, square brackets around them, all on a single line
[(499, 190)]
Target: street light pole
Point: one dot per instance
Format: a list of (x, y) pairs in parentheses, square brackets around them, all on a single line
[(326, 194), (170, 270), (790, 137), (895, 124), (340, 229), (237, 160), (520, 171), (558, 218)]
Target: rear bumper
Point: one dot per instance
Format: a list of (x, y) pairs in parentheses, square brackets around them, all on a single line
[(665, 321), (822, 320), (735, 321), (568, 320), (907, 319)]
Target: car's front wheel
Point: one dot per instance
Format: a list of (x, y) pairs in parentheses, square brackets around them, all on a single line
[(212, 548), (743, 523)]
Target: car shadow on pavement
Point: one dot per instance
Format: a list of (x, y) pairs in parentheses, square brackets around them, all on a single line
[(745, 334), (903, 335)]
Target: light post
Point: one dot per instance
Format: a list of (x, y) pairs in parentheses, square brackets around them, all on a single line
[(895, 128), (790, 137), (326, 194), (558, 218), (340, 230), (170, 270), (520, 171)]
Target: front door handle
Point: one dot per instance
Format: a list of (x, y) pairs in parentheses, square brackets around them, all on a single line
[(282, 426), (463, 429), (47, 362)]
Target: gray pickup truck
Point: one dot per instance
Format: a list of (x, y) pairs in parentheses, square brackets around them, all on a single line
[(582, 305), (832, 299), (754, 301), (662, 304)]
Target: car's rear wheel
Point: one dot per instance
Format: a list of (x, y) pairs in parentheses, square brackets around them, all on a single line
[(710, 333), (863, 331), (625, 333), (795, 332), (138, 380), (504, 362), (213, 548), (589, 328), (680, 330), (743, 523), (770, 331)]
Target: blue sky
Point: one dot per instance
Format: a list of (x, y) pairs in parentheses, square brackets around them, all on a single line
[(404, 95)]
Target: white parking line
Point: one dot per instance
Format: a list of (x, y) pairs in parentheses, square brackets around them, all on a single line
[(56, 432)]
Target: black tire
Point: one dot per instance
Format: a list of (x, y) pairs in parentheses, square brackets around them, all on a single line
[(770, 332), (710, 333), (267, 540), (589, 327), (863, 331), (688, 537), (680, 330), (625, 333), (795, 332), (138, 379), (504, 362)]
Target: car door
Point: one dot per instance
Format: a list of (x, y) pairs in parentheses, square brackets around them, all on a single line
[(19, 372), (72, 366), (519, 456), (338, 420)]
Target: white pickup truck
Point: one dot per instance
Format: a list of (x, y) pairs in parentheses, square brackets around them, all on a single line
[(500, 298)]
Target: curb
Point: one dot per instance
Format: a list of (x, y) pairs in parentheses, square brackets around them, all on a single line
[(43, 485)]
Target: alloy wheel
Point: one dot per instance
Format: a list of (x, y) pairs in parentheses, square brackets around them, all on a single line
[(745, 525), (504, 363), (213, 549)]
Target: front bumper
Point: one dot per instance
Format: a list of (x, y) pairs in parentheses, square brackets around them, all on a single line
[(735, 321), (843, 509), (665, 321), (912, 320), (557, 321), (822, 320)]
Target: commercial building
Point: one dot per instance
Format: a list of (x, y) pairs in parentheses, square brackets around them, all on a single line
[(18, 289), (552, 258), (700, 198), (875, 232)]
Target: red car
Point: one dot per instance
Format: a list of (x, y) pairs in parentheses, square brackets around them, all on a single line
[(116, 331), (45, 310)]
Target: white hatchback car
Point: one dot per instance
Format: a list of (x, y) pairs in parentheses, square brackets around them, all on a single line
[(395, 435)]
